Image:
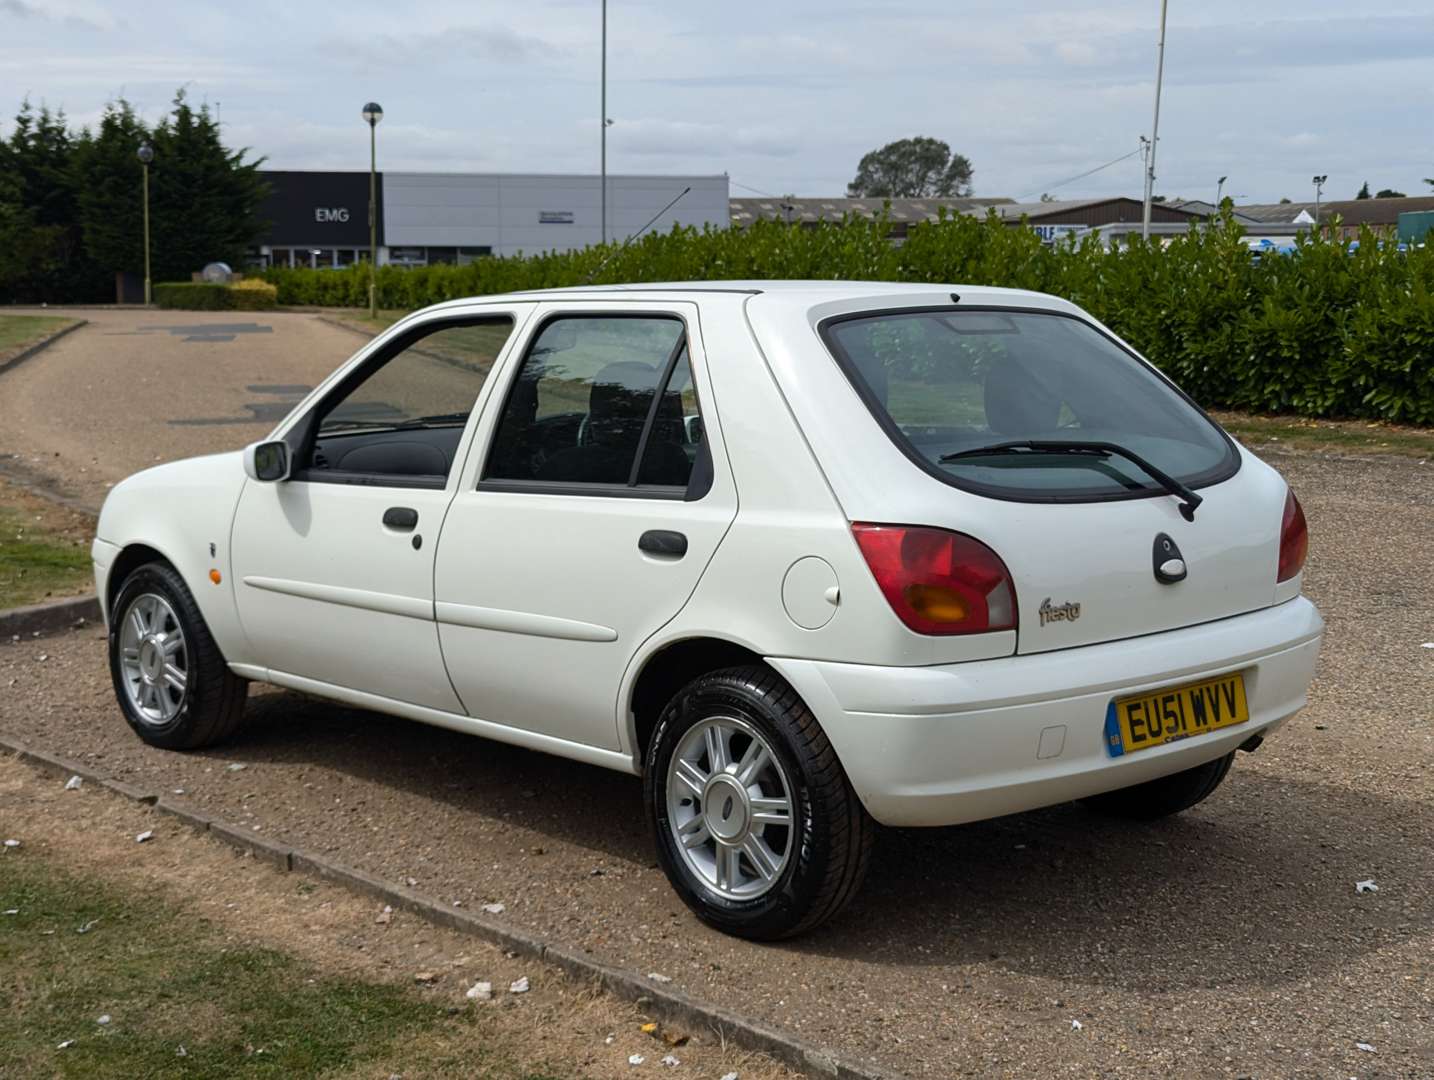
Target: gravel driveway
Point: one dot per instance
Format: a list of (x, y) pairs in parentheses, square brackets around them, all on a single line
[(1227, 942)]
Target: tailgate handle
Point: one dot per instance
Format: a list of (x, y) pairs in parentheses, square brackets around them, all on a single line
[(664, 542), (1169, 563), (400, 518)]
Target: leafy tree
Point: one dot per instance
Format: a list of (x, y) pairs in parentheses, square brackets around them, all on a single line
[(1389, 193), (1285, 199), (204, 198), (111, 189), (912, 168), (1363, 191)]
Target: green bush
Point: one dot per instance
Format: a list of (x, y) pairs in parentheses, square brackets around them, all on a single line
[(251, 294), (191, 296), (1325, 331)]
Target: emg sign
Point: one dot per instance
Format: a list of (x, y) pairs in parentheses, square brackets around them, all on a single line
[(331, 213)]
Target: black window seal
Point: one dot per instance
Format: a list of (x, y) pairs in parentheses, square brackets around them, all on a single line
[(1217, 474), (698, 484), (302, 436)]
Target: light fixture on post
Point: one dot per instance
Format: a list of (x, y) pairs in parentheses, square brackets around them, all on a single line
[(1318, 182), (372, 114), (145, 153)]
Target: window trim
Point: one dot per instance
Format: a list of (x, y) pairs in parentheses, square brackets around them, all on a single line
[(1217, 474), (302, 436), (699, 483)]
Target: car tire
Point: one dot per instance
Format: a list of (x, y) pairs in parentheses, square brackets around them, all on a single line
[(174, 687), (1167, 795), (809, 868)]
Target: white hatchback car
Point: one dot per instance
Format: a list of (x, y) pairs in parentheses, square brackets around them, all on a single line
[(803, 555)]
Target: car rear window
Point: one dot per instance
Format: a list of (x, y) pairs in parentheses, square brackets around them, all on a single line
[(956, 382)]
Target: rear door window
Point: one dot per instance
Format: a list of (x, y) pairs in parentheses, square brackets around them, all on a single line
[(601, 402), (962, 382)]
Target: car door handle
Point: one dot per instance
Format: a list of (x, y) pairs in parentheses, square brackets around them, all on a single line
[(400, 518), (665, 542)]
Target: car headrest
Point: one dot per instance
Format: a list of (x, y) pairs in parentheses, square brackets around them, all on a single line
[(1017, 401), (618, 403)]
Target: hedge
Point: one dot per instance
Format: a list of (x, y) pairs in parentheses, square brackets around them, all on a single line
[(250, 294), (1329, 330)]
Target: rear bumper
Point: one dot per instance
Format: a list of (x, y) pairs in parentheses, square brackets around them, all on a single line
[(963, 742)]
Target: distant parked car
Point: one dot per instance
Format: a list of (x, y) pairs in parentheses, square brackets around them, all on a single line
[(803, 556)]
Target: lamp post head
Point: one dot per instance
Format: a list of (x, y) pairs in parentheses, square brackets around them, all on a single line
[(373, 113), (145, 153)]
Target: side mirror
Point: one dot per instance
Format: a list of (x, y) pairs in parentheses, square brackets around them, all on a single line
[(267, 461)]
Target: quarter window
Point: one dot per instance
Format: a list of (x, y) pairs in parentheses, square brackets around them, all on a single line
[(603, 401)]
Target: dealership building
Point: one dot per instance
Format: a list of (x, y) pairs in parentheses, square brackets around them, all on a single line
[(320, 219)]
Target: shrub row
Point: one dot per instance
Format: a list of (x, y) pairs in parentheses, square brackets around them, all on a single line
[(1330, 330), (250, 294)]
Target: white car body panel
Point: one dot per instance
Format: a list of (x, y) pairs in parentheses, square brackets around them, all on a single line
[(530, 617)]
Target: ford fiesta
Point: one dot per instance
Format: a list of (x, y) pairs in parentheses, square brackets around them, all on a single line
[(804, 556)]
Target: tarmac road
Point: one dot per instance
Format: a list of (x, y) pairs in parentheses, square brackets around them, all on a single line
[(137, 387), (1227, 942)]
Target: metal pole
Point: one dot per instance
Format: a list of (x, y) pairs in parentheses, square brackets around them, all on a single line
[(1154, 128), (145, 166), (372, 221), (603, 121)]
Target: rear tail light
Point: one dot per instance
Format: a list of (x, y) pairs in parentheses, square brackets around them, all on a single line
[(1294, 539), (939, 582)]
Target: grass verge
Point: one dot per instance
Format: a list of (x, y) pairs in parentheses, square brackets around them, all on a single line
[(183, 999), (1295, 433), (19, 332), (44, 548)]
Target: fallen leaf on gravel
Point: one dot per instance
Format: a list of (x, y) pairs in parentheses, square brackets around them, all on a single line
[(493, 909), (658, 977), (635, 1059), (671, 1062), (649, 1029), (148, 834), (480, 991), (1366, 1048), (67, 1042), (519, 987), (73, 783), (1076, 1025), (1366, 886), (425, 977), (673, 1038), (385, 916)]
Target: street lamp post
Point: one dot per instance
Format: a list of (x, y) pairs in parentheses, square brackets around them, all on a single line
[(1154, 130), (1318, 182), (603, 107), (145, 153), (373, 113), (1219, 187)]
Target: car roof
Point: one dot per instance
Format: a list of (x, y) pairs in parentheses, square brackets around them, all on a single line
[(805, 293)]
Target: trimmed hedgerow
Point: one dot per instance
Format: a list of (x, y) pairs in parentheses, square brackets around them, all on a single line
[(1329, 330)]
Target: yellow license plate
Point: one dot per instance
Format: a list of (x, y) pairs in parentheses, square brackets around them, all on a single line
[(1176, 712)]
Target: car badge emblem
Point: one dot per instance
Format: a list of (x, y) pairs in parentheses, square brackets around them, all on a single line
[(1168, 562), (1067, 612)]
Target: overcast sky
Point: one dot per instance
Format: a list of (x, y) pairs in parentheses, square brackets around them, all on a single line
[(785, 96)]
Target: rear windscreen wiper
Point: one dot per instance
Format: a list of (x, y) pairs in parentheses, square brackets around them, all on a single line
[(1188, 499)]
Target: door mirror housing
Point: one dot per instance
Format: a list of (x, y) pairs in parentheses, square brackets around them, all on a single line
[(267, 461)]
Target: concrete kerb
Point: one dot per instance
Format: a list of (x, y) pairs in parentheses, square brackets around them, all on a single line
[(39, 346), (350, 327), (667, 1004), (48, 617)]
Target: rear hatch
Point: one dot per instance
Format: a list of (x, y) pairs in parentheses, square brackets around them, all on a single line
[(1075, 462)]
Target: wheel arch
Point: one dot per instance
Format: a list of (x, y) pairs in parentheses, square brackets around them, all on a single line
[(130, 559), (667, 670)]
